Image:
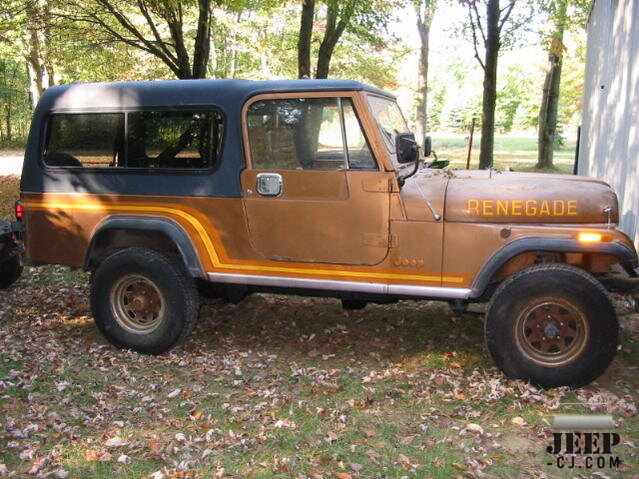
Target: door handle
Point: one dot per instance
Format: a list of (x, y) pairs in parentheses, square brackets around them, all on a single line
[(269, 184)]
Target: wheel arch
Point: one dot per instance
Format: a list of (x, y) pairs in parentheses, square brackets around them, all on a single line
[(158, 233), (625, 256)]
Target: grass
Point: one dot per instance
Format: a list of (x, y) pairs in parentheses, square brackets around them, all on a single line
[(9, 193), (517, 153), (280, 387)]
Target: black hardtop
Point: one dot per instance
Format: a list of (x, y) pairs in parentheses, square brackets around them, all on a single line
[(227, 94)]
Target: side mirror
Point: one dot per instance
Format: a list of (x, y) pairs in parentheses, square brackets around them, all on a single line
[(406, 148), (428, 146)]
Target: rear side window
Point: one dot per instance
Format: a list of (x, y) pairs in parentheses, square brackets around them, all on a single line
[(142, 139), (172, 139), (85, 140)]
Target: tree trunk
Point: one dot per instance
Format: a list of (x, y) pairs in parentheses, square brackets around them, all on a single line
[(422, 82), (202, 46), (233, 67), (424, 21), (490, 85), (8, 117), (304, 40), (48, 65), (550, 99), (332, 35)]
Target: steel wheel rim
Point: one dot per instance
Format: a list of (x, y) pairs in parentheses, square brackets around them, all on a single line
[(137, 304), (552, 332)]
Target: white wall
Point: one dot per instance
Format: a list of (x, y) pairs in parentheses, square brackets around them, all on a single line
[(609, 146)]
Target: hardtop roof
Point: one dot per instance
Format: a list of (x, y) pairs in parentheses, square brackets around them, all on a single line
[(167, 93)]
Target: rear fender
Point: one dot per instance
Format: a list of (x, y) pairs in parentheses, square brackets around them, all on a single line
[(165, 226)]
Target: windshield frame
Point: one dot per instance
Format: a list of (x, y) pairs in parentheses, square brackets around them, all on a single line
[(373, 103)]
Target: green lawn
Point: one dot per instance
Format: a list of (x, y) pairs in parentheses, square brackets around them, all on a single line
[(518, 153)]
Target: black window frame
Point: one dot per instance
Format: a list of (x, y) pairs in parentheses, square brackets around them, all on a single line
[(362, 129), (125, 111)]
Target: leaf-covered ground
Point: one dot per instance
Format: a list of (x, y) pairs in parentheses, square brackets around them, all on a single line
[(284, 387)]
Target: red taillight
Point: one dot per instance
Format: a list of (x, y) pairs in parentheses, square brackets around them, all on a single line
[(19, 211)]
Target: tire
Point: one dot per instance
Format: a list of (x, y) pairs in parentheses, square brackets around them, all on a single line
[(143, 300), (553, 325), (10, 269)]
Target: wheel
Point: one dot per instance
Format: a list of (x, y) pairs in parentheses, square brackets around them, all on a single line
[(553, 325), (10, 268), (143, 300)]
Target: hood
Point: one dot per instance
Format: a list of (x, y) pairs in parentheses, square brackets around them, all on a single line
[(508, 197)]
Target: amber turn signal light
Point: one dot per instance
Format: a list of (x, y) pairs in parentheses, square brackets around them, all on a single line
[(590, 237)]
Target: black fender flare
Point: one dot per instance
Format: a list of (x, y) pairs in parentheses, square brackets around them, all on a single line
[(627, 257), (151, 223)]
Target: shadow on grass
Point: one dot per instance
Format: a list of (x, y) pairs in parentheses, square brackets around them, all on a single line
[(308, 330)]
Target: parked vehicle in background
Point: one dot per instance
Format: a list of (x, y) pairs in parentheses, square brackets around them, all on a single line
[(229, 187), (10, 252)]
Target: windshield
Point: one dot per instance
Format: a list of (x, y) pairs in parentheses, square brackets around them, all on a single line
[(390, 121)]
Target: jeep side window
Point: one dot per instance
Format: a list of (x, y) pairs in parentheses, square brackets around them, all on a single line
[(154, 139), (298, 133), (84, 140), (306, 133), (173, 139)]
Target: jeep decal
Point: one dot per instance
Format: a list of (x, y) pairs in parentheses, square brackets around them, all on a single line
[(522, 207)]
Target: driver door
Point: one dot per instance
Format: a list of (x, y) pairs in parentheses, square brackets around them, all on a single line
[(313, 191)]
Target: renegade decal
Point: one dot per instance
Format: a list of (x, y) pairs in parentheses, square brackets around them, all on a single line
[(522, 207)]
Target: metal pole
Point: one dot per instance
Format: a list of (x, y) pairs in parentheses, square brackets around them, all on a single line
[(470, 143), (575, 167)]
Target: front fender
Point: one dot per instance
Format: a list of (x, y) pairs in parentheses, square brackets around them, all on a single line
[(627, 257)]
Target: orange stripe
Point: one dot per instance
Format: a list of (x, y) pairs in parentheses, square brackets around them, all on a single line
[(219, 259)]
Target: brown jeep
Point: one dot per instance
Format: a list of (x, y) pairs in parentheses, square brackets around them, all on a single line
[(229, 187)]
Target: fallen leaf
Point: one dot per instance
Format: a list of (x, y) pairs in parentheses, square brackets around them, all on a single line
[(91, 455), (519, 421), (115, 441), (331, 437), (475, 428), (407, 440), (459, 467), (174, 393)]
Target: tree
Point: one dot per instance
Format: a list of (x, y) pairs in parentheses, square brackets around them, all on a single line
[(162, 28), (363, 17), (492, 27), (27, 24), (550, 99), (425, 11), (305, 38)]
